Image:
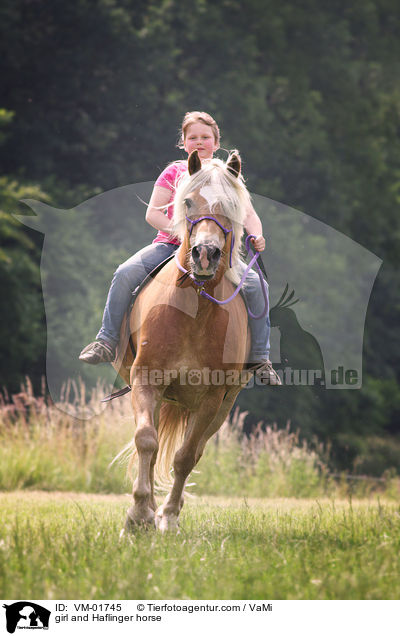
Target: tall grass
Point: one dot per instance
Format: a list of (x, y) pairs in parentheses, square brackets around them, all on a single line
[(43, 446), (268, 463)]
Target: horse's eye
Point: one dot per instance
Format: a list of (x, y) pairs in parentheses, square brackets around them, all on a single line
[(188, 203)]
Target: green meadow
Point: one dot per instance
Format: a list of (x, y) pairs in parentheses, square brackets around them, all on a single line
[(67, 545), (263, 518)]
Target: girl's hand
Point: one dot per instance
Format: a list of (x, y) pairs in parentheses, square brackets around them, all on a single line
[(259, 243)]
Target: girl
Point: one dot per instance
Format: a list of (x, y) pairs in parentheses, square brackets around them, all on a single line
[(199, 132)]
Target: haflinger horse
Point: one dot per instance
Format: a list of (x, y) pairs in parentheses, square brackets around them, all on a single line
[(190, 350)]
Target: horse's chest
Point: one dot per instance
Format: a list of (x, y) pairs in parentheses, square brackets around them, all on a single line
[(173, 334)]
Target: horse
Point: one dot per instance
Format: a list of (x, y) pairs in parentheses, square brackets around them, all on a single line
[(191, 347)]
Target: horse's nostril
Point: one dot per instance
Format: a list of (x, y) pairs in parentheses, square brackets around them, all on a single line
[(196, 253), (205, 255), (214, 254)]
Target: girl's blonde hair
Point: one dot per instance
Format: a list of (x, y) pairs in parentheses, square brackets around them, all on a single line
[(194, 117)]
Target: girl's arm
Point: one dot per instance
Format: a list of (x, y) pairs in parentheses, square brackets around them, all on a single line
[(253, 225), (155, 216)]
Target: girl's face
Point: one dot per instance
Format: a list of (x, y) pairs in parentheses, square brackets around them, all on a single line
[(200, 137)]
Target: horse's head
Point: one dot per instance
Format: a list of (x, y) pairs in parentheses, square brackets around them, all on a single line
[(207, 240), (210, 231), (210, 206)]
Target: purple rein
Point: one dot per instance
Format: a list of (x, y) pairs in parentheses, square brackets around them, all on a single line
[(242, 280)]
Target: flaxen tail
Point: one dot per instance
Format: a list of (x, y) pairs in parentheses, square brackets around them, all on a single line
[(171, 429)]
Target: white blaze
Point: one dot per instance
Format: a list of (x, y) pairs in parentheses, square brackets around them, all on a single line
[(212, 194)]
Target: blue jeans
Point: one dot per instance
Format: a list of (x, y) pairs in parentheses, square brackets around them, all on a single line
[(125, 280), (260, 329), (133, 271)]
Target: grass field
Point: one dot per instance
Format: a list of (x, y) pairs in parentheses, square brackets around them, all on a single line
[(268, 520), (66, 545)]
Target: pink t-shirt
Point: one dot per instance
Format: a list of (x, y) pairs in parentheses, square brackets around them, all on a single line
[(169, 179)]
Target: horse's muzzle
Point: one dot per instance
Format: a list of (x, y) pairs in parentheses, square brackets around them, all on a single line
[(205, 260)]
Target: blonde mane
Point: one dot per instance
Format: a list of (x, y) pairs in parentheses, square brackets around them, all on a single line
[(229, 192)]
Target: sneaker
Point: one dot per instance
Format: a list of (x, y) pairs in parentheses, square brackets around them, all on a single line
[(97, 352), (265, 372)]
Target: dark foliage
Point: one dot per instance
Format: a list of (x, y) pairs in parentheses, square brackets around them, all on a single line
[(93, 93)]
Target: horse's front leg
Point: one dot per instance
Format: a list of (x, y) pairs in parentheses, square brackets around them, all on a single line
[(146, 404), (185, 460)]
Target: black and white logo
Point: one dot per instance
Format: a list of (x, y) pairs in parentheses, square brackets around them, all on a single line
[(26, 615)]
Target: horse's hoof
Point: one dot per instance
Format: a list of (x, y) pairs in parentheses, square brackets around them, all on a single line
[(167, 523), (129, 527), (134, 522)]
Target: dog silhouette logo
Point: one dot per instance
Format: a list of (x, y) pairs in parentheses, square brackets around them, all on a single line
[(26, 615)]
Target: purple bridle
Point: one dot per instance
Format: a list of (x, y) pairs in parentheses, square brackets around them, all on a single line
[(225, 231), (253, 261)]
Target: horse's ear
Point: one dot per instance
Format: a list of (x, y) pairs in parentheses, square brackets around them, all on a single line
[(194, 163), (234, 163)]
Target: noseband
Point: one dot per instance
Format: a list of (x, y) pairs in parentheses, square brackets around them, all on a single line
[(253, 261), (225, 231)]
